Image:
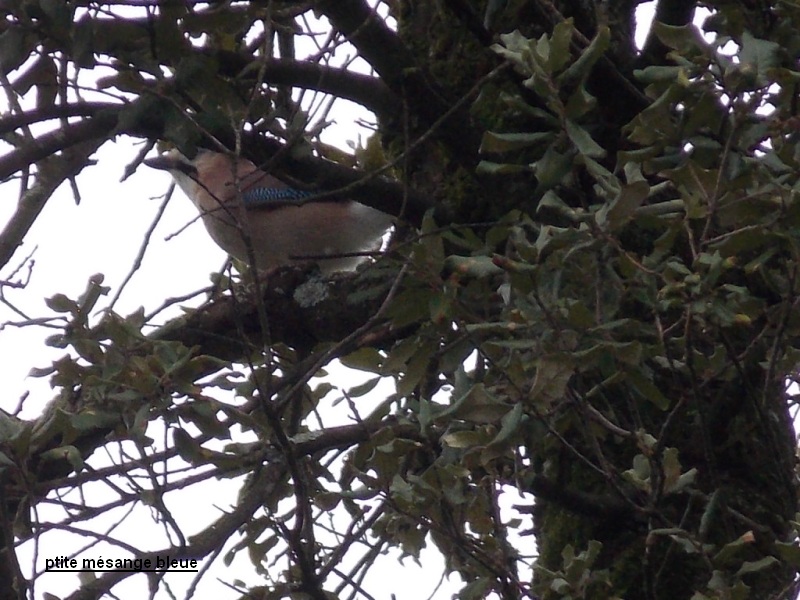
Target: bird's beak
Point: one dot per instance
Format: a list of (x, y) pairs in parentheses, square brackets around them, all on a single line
[(173, 164), (165, 163)]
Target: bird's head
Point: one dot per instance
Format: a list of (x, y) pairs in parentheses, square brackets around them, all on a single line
[(182, 169)]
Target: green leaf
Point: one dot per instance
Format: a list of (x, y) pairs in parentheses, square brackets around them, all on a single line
[(551, 169), (364, 359), (560, 41), (583, 141), (674, 480), (579, 103), (509, 426), (15, 48), (463, 439), (441, 307), (518, 50), (646, 388), (61, 304), (639, 475), (414, 372), (410, 306), (486, 167), (92, 419), (59, 13), (551, 203), (188, 448), (68, 452), (790, 553), (622, 209), (327, 501), (608, 182), (473, 266), (657, 73), (477, 406), (757, 565), (760, 57), (14, 433), (476, 590), (730, 552), (508, 142), (550, 383), (363, 389), (686, 38), (581, 68), (41, 371)]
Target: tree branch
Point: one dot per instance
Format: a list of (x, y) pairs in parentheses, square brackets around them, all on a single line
[(370, 92), (53, 172), (98, 127), (11, 122), (669, 12), (259, 490), (382, 48), (579, 502), (302, 312)]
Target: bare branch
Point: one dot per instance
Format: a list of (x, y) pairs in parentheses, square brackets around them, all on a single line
[(53, 172)]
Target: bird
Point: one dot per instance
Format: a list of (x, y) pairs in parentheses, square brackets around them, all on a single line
[(239, 202)]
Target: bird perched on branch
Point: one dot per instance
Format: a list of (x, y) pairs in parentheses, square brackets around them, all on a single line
[(241, 204)]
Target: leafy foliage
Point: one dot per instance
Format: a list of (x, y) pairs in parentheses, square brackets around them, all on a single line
[(589, 299)]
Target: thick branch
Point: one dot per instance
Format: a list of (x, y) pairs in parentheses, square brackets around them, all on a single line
[(383, 49), (98, 127), (669, 12), (369, 92), (582, 503), (11, 122), (301, 312), (376, 43)]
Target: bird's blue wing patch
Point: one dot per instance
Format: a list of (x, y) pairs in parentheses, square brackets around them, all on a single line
[(270, 197)]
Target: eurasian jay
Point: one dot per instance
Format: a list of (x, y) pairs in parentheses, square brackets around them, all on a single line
[(281, 225)]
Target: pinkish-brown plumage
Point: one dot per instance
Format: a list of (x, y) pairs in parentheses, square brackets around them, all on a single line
[(278, 233)]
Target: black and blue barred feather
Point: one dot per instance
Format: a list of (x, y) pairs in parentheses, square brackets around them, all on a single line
[(267, 197)]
